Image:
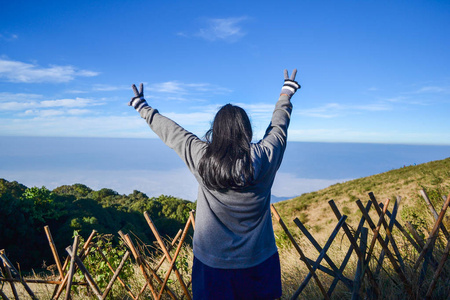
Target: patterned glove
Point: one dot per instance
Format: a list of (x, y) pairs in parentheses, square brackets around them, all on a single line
[(138, 101), (290, 85)]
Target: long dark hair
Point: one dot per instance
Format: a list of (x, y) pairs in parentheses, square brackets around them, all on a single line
[(227, 162)]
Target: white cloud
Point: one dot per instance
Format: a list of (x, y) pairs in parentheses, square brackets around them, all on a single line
[(167, 87), (9, 97), (360, 135), (372, 107), (46, 113), (198, 119), (71, 123), (109, 88), (226, 29), (16, 71), (18, 105), (181, 88), (222, 29), (289, 185), (77, 111), (432, 89), (8, 37), (260, 108), (178, 183), (77, 102), (333, 110)]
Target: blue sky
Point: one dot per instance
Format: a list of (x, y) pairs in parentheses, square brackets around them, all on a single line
[(371, 71)]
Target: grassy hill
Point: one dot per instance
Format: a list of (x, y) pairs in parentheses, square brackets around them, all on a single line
[(314, 211)]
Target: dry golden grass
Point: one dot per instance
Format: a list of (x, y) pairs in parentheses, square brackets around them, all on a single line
[(313, 208), (293, 272), (135, 283)]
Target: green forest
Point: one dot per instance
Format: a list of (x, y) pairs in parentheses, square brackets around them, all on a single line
[(77, 209)]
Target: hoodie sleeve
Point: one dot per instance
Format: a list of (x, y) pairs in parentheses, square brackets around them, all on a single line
[(276, 133), (187, 145)]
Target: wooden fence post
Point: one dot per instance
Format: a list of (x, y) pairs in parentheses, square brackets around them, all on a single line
[(352, 240), (85, 251), (139, 260), (72, 266), (397, 268), (433, 212), (9, 266), (360, 266), (433, 234), (299, 250), (335, 272), (167, 254), (389, 236), (321, 256), (8, 275), (350, 251), (438, 271), (386, 240)]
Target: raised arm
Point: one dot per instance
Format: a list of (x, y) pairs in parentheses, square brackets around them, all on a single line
[(276, 133), (186, 144)]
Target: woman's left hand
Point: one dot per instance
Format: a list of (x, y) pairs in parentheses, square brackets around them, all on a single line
[(138, 101)]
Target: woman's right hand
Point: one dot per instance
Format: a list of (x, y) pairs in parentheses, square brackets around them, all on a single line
[(290, 85)]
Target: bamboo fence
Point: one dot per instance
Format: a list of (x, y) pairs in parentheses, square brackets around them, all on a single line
[(364, 283)]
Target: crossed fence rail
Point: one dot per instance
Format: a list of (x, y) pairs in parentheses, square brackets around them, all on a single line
[(159, 287), (414, 287), (364, 284)]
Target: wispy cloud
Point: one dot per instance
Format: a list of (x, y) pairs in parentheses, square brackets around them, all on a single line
[(181, 88), (56, 112), (78, 102), (197, 119), (341, 135), (9, 97), (178, 182), (75, 124), (290, 185), (220, 29), (98, 87), (8, 37), (30, 104), (258, 108), (16, 71), (333, 110), (361, 135), (433, 89), (227, 29), (109, 88)]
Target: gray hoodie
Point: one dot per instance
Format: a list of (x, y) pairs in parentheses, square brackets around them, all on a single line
[(233, 229)]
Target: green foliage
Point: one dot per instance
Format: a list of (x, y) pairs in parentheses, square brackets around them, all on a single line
[(104, 247), (41, 204), (25, 211), (77, 190)]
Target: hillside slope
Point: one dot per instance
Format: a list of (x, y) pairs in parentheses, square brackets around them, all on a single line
[(314, 211)]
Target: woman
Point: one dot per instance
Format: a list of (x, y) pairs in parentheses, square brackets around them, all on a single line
[(235, 256)]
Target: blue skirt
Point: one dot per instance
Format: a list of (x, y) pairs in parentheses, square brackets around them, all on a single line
[(259, 282)]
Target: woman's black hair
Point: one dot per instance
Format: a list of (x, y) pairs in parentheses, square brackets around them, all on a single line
[(227, 162)]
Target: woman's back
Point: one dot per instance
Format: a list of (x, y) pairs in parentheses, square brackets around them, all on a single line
[(233, 221)]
